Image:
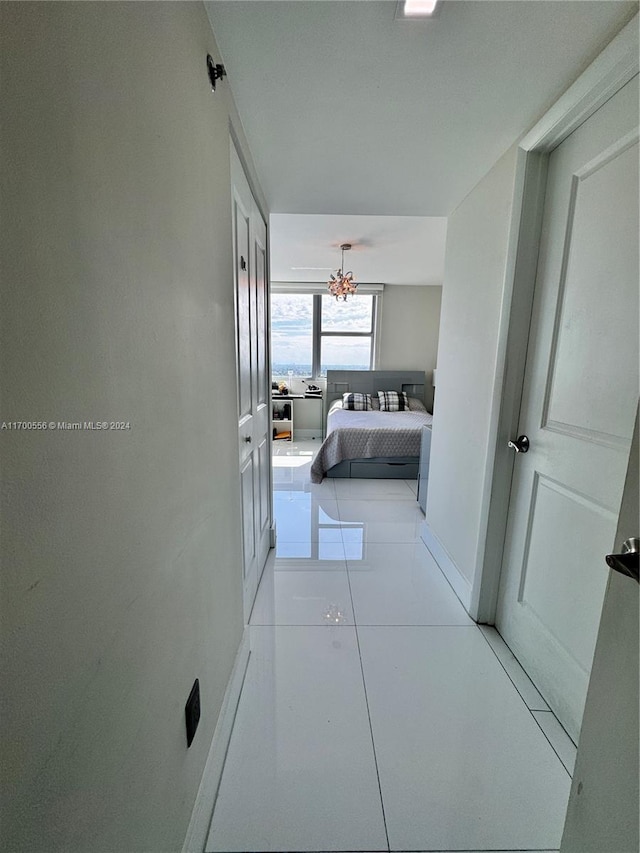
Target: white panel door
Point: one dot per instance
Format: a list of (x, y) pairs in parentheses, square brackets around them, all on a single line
[(579, 399), (250, 274), (262, 395)]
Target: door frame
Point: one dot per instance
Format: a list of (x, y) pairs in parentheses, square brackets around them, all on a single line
[(611, 70)]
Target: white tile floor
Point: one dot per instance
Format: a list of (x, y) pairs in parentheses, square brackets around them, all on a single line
[(375, 715)]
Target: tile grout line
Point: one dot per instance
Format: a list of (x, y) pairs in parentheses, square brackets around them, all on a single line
[(366, 699), (530, 710), (549, 739), (476, 850), (438, 850), (346, 625)]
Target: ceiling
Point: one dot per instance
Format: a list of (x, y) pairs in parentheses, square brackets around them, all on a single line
[(348, 110), (386, 249), (371, 130)]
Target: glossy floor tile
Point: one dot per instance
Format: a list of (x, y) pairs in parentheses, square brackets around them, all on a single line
[(292, 467), (379, 521), (302, 490), (310, 555), (300, 771), (302, 598), (296, 448), (375, 714), (306, 519), (373, 490), (401, 584), (288, 491), (462, 763)]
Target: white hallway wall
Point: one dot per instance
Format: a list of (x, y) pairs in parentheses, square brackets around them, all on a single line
[(122, 578), (474, 281)]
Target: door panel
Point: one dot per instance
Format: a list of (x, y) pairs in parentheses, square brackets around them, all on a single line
[(248, 500), (243, 312), (264, 463), (263, 396), (262, 393), (593, 266), (578, 406), (250, 250), (555, 510), (263, 385)]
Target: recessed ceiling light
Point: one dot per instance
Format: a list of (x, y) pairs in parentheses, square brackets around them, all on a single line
[(418, 8)]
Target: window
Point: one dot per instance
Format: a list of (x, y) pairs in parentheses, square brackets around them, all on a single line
[(346, 334), (291, 334), (312, 333)]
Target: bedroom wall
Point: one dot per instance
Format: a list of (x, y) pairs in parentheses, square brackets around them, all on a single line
[(475, 264), (409, 330), (122, 551)]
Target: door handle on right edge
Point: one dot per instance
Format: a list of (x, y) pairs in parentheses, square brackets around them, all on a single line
[(628, 561)]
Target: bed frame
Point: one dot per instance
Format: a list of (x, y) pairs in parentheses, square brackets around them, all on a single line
[(340, 382)]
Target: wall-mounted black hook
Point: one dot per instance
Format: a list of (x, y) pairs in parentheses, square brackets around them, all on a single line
[(215, 71)]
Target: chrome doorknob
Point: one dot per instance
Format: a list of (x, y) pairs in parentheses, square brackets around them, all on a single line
[(520, 444), (628, 562)]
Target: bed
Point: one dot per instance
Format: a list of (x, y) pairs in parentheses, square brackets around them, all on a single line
[(371, 444)]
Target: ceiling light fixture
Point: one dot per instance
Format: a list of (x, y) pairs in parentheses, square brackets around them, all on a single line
[(418, 8), (342, 284)]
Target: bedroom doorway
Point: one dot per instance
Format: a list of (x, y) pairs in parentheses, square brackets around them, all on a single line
[(578, 405)]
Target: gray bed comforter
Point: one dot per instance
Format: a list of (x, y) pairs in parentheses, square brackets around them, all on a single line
[(366, 435)]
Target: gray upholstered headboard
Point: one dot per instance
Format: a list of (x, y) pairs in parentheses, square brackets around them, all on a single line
[(339, 382)]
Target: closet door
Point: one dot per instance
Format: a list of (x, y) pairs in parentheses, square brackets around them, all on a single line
[(250, 279)]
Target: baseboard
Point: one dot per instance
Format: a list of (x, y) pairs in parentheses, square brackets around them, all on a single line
[(199, 824), (452, 573)]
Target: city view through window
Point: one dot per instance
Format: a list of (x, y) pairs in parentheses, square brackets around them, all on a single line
[(292, 341)]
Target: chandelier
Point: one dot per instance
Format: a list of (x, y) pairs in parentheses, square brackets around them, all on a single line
[(342, 284)]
